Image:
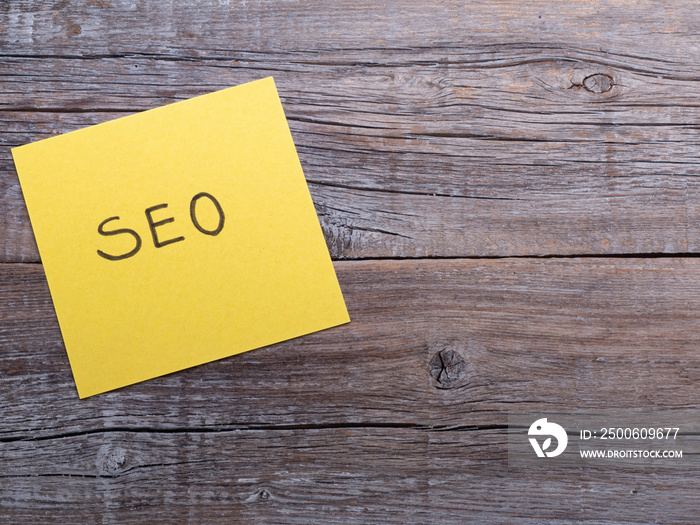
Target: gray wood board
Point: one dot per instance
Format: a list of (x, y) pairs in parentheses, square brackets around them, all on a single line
[(352, 423), (484, 130)]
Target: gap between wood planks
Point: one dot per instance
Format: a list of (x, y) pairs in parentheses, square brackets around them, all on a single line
[(659, 255)]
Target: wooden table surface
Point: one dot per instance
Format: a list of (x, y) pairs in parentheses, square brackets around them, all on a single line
[(511, 194)]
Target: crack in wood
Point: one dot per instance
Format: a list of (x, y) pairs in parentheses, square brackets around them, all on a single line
[(346, 259), (561, 54), (407, 192), (212, 430)]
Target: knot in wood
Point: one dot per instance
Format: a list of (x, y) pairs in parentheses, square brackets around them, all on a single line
[(110, 460), (448, 369), (262, 494), (598, 83)]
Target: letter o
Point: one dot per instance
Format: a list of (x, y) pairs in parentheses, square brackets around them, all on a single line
[(193, 215)]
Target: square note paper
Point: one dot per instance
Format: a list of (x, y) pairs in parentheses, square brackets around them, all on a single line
[(178, 236)]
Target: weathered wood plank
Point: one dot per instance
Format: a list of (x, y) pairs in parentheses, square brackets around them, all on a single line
[(583, 333), (563, 134), (348, 425), (505, 158), (359, 475), (206, 28)]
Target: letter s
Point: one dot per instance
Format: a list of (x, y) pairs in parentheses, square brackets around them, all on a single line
[(107, 233)]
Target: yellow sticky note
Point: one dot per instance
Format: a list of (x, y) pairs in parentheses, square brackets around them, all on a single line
[(178, 236)]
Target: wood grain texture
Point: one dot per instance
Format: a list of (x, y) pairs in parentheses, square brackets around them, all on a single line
[(487, 129), (349, 424), (207, 28), (426, 130)]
